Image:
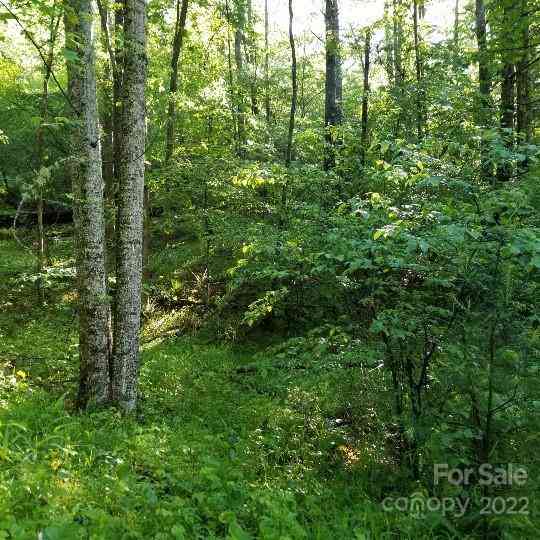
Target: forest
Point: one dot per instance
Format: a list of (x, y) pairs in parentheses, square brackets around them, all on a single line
[(269, 269)]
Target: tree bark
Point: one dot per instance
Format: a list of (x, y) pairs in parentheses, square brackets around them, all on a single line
[(240, 81), (267, 109), (507, 116), (85, 171), (333, 84), (294, 97), (484, 83), (251, 59), (108, 112), (232, 98), (130, 208), (365, 98), (399, 75), (399, 71), (418, 66), (523, 79), (456, 28), (180, 26), (388, 43)]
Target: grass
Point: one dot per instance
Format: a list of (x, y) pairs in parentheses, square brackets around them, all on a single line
[(211, 453)]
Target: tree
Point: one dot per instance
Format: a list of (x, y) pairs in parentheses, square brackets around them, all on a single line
[(86, 175), (179, 30), (523, 77), (294, 83), (267, 109), (333, 84), (130, 208), (239, 22), (365, 97), (418, 67), (484, 82)]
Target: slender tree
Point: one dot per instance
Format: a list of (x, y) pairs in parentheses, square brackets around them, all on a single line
[(456, 28), (86, 175), (108, 108), (267, 109), (388, 42), (418, 67), (523, 77), (294, 83), (504, 171), (399, 73), (292, 114), (240, 75), (333, 84), (230, 77), (484, 81), (365, 97), (399, 66), (130, 208), (250, 47), (179, 30), (41, 152)]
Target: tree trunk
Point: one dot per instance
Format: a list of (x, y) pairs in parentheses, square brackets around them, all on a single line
[(108, 121), (251, 58), (240, 84), (180, 26), (130, 208), (388, 43), (399, 72), (365, 98), (232, 99), (294, 98), (484, 83), (507, 116), (399, 75), (523, 79), (267, 109), (333, 84), (85, 170), (117, 90), (418, 66), (456, 28)]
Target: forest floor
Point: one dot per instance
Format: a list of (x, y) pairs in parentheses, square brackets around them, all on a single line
[(212, 453)]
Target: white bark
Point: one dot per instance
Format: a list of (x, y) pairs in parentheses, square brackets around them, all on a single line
[(85, 170), (130, 208)]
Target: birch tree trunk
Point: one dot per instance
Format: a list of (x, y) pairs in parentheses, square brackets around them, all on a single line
[(130, 208), (333, 84), (86, 174), (180, 26)]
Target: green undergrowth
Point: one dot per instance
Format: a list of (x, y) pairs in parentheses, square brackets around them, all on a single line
[(225, 443)]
